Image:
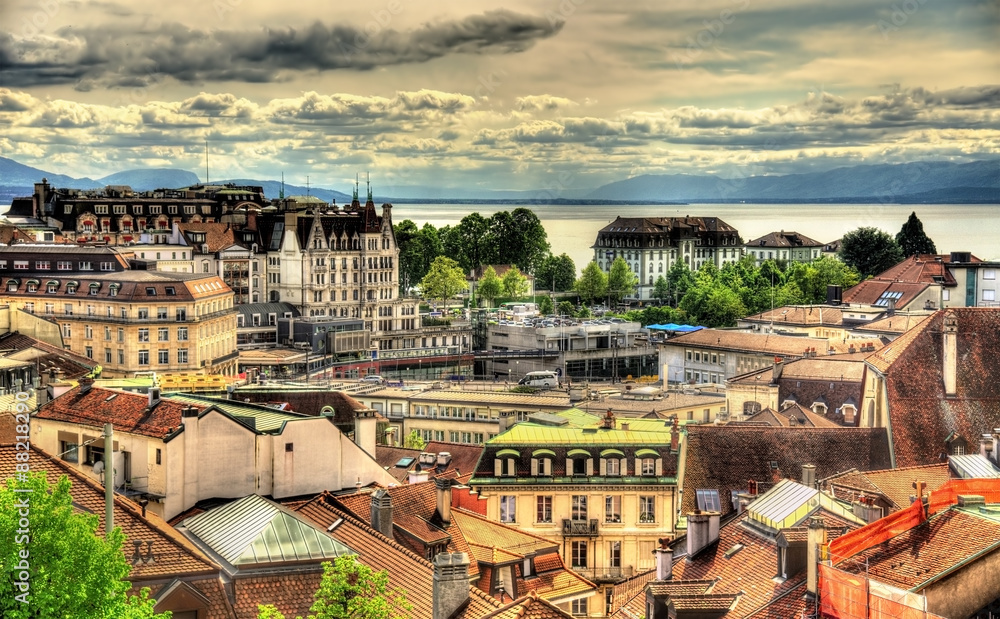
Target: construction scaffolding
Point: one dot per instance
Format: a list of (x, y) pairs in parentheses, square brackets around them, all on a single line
[(844, 595)]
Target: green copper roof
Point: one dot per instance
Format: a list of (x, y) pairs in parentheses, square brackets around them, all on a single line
[(260, 418), (254, 530), (586, 429)]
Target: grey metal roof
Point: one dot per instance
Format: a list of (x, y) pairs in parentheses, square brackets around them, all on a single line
[(260, 418), (973, 466), (254, 530), (249, 309)]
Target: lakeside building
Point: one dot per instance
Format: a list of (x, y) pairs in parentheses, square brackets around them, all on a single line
[(651, 245), (783, 246)]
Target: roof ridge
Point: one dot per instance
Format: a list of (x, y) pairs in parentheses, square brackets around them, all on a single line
[(467, 512)]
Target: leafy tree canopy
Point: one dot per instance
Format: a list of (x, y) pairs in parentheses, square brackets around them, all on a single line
[(593, 283), (350, 589), (621, 280), (74, 572), (413, 440), (555, 273), (514, 283), (870, 251), (489, 286), (444, 279), (912, 240)]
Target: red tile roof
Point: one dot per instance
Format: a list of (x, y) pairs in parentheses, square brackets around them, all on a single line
[(896, 485), (128, 411), (921, 417), (870, 290), (749, 451), (211, 588), (46, 356), (292, 594), (530, 606), (924, 268), (783, 239), (760, 343), (174, 555), (800, 315)]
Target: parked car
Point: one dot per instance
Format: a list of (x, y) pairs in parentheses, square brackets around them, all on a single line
[(373, 378)]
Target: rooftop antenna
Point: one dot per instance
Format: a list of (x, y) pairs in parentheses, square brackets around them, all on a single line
[(307, 185), (281, 194), (206, 160), (355, 186)]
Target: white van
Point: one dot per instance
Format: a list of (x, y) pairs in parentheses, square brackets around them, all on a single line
[(540, 379)]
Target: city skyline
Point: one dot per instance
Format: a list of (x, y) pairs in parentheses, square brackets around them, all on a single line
[(517, 95)]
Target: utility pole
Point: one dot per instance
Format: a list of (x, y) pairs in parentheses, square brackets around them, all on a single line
[(109, 479)]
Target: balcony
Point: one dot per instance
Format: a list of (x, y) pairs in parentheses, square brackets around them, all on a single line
[(604, 574), (580, 528)]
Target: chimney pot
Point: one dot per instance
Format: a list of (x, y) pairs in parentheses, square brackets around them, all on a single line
[(450, 583), (816, 540), (443, 498), (381, 512)]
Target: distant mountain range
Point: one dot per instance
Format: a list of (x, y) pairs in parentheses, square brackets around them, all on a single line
[(936, 182)]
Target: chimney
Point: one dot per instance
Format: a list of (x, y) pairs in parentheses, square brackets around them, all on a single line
[(609, 420), (986, 447), (365, 429), (443, 498), (779, 367), (382, 512), (703, 530), (625, 426), (866, 509), (675, 436), (416, 477), (809, 475), (85, 384), (443, 458), (427, 460), (814, 552), (451, 583), (664, 560), (950, 356), (154, 396)]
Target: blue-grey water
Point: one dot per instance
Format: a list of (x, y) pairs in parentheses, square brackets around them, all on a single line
[(573, 228)]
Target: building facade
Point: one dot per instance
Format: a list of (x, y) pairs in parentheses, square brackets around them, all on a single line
[(784, 246), (651, 245)]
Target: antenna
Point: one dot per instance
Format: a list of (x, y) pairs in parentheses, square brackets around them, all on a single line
[(206, 160), (307, 185), (355, 186), (281, 194), (368, 181)]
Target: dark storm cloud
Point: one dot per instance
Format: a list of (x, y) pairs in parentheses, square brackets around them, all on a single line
[(119, 55)]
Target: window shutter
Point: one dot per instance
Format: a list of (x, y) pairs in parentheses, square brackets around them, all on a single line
[(511, 466), (590, 466), (659, 467), (498, 467), (623, 467), (569, 466), (604, 467), (638, 467), (534, 467), (546, 466)]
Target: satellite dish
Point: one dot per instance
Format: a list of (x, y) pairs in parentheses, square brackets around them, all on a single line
[(98, 467)]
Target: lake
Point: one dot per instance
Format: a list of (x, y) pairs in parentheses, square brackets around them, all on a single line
[(573, 229)]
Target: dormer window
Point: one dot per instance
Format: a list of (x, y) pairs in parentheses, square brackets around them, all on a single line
[(541, 462), (612, 463), (648, 463), (579, 462), (505, 464)]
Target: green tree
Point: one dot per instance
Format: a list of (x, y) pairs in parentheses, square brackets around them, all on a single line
[(812, 278), (74, 572), (912, 240), (593, 283), (444, 280), (489, 286), (530, 239), (621, 280), (555, 273), (350, 589), (410, 257), (710, 302), (413, 440), (661, 289), (566, 308), (469, 243), (545, 306), (870, 251), (679, 280), (514, 284)]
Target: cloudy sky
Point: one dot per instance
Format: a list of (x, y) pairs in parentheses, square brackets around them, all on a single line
[(496, 95)]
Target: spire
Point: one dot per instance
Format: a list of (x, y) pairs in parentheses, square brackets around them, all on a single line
[(281, 194), (355, 188), (369, 182)]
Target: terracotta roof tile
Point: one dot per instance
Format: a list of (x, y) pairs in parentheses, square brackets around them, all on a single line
[(212, 588), (748, 453), (292, 594), (871, 290), (764, 343), (801, 315), (783, 239), (530, 606), (896, 485), (45, 355), (920, 416), (129, 412)]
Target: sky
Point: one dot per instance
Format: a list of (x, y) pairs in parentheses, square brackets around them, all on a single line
[(525, 95)]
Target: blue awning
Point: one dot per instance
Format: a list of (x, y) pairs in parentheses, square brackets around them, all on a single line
[(674, 327)]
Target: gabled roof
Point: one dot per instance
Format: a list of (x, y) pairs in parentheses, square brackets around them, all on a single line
[(218, 236), (896, 485), (253, 531), (972, 466), (802, 416), (45, 355), (783, 239), (878, 292), (897, 324), (129, 412), (174, 555), (800, 315), (750, 452), (920, 415), (760, 343), (262, 419), (530, 606), (924, 268)]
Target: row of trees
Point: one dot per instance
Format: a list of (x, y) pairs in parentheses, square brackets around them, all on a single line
[(508, 237), (872, 251)]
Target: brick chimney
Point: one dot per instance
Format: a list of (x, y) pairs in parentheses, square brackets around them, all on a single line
[(816, 540), (451, 583), (675, 436), (443, 498), (779, 367), (85, 384), (382, 512), (950, 355)]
